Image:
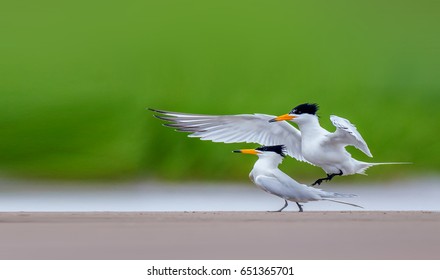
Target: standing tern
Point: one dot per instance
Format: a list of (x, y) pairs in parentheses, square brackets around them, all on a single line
[(268, 177), (312, 143)]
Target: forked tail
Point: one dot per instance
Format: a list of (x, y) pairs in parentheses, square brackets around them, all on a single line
[(363, 166), (343, 202), (329, 195)]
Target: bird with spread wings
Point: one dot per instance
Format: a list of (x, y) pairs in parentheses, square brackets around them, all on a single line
[(310, 143)]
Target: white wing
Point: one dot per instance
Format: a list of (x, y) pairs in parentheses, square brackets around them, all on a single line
[(287, 189), (248, 128), (347, 134)]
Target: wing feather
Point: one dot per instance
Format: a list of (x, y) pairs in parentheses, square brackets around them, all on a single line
[(248, 128), (287, 188), (347, 133)]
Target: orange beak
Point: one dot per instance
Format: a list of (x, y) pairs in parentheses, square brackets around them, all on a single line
[(285, 117), (247, 151)]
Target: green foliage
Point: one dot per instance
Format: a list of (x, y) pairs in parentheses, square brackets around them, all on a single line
[(75, 79)]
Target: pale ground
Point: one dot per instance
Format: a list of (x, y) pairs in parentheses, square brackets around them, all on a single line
[(220, 235), (147, 220)]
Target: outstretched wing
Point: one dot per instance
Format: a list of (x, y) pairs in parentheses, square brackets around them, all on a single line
[(247, 128), (347, 134)]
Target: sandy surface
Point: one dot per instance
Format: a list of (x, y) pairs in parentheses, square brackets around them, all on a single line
[(220, 235)]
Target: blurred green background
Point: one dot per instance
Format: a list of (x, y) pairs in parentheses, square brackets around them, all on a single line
[(76, 77)]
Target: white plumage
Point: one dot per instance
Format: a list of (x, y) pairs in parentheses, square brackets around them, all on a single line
[(266, 175), (311, 143), (244, 128)]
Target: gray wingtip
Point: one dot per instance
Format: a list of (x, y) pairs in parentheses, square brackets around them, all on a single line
[(156, 110)]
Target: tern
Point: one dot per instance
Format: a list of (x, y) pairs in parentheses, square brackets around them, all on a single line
[(327, 149), (311, 143), (268, 177)]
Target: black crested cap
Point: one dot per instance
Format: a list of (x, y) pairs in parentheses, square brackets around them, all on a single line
[(306, 108), (279, 149)]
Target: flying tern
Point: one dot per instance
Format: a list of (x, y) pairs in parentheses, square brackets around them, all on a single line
[(311, 143), (327, 149), (268, 177)]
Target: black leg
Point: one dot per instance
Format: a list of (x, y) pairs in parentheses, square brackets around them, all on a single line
[(300, 207), (285, 205), (334, 174), (328, 178), (319, 181)]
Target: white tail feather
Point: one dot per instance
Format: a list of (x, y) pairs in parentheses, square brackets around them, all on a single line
[(365, 165), (325, 194), (342, 202)]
